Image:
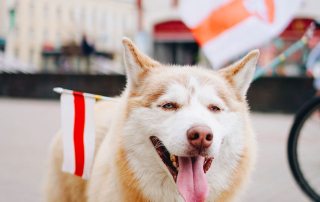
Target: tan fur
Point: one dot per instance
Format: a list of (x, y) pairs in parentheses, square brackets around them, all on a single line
[(236, 67), (114, 180), (128, 184), (233, 69), (140, 58)]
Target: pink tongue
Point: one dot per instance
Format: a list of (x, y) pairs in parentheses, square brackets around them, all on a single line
[(191, 182)]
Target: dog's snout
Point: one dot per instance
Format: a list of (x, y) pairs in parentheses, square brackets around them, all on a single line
[(200, 136)]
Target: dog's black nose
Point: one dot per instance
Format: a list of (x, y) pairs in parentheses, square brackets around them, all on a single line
[(200, 136)]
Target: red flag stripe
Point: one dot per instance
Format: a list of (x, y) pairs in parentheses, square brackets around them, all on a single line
[(212, 26), (78, 132)]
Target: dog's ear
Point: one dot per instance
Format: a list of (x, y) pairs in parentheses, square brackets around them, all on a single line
[(137, 63), (240, 74)]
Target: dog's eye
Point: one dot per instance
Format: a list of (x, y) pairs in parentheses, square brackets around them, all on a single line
[(169, 106), (214, 108)]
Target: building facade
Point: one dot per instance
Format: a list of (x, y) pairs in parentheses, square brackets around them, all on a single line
[(38, 25), (168, 38), (30, 28)]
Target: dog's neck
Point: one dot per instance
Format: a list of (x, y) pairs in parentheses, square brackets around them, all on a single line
[(128, 183)]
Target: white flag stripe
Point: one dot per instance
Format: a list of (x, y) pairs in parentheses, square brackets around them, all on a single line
[(225, 34), (188, 7), (248, 40), (89, 136), (67, 123), (220, 49)]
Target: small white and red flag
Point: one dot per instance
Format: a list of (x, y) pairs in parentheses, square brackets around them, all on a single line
[(228, 28), (78, 133)]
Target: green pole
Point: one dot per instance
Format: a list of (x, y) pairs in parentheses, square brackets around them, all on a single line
[(12, 18), (282, 57), (287, 53)]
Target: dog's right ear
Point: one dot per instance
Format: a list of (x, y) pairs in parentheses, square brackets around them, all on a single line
[(240, 74), (137, 63)]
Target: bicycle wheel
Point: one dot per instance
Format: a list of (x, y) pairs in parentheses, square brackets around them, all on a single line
[(304, 148)]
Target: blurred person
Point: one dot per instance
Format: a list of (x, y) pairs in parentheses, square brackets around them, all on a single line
[(87, 50), (313, 67)]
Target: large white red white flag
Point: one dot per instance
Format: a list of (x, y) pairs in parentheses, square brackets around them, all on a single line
[(228, 28), (78, 133)]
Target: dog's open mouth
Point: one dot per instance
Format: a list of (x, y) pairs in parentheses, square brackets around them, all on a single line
[(171, 161), (191, 181)]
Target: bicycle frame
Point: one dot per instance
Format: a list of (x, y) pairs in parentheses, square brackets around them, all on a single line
[(287, 53)]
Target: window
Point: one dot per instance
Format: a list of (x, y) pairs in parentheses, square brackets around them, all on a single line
[(123, 23), (110, 26), (45, 11), (31, 9), (71, 15), (58, 39), (70, 36), (58, 13), (103, 20), (77, 14), (16, 53), (93, 17), (16, 7), (16, 32), (82, 15), (31, 33), (45, 35), (89, 18), (31, 56)]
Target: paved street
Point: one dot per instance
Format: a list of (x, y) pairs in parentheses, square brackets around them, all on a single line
[(27, 126)]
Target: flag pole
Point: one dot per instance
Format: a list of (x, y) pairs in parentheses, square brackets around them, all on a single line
[(284, 55), (97, 97)]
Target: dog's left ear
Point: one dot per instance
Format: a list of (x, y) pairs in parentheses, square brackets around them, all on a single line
[(240, 74), (137, 63)]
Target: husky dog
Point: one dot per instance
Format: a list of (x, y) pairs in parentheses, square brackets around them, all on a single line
[(179, 133)]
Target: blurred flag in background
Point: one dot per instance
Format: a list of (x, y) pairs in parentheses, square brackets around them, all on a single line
[(226, 29)]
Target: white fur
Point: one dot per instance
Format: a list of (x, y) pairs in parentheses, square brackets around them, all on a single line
[(134, 124)]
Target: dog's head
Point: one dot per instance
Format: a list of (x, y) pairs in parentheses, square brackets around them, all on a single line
[(185, 114)]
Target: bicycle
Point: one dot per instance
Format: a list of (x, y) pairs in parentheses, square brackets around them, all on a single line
[(303, 144), (309, 111), (303, 133)]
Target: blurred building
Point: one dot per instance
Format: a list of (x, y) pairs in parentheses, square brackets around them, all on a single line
[(49, 33), (41, 28), (295, 64), (168, 38), (3, 24)]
